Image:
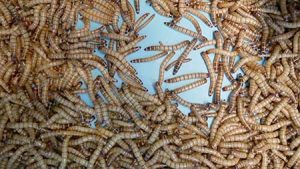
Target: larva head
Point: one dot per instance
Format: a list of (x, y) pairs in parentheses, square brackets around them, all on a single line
[(168, 24)]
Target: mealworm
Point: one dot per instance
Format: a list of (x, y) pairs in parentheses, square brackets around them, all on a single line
[(217, 97), (194, 142), (250, 162), (226, 162), (162, 67), (115, 138), (18, 153), (186, 31), (137, 154), (149, 59), (217, 121), (172, 64), (193, 21), (184, 55), (189, 86), (210, 71), (270, 128), (137, 121), (204, 44), (168, 47), (221, 131), (241, 113), (187, 77), (178, 165), (156, 145)]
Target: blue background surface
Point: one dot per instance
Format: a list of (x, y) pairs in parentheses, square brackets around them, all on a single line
[(148, 72)]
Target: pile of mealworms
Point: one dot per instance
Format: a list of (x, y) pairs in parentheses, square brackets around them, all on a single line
[(47, 63)]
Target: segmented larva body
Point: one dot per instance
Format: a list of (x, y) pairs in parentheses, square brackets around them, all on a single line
[(168, 47), (211, 73), (186, 31), (162, 67), (184, 55), (187, 77)]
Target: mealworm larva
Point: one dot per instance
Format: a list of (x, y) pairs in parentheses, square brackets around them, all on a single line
[(162, 67), (210, 69), (193, 21), (192, 127), (194, 142), (204, 44), (206, 150), (3, 122), (239, 137), (219, 81), (266, 135), (221, 131), (226, 162), (177, 165), (145, 95), (168, 47), (64, 151), (137, 154), (276, 110), (18, 153), (217, 121), (156, 145), (171, 153), (189, 86), (186, 31), (241, 113), (184, 55), (95, 155), (6, 13), (36, 18), (22, 125), (187, 77), (137, 121), (270, 128), (172, 64), (238, 145), (249, 162), (283, 36), (294, 114), (149, 59), (115, 138), (132, 101), (219, 45)]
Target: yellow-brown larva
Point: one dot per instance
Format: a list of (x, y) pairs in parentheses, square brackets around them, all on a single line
[(189, 86), (167, 47), (186, 31), (148, 59), (184, 55), (162, 67)]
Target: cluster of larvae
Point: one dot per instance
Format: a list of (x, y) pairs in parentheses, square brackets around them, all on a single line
[(47, 63)]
